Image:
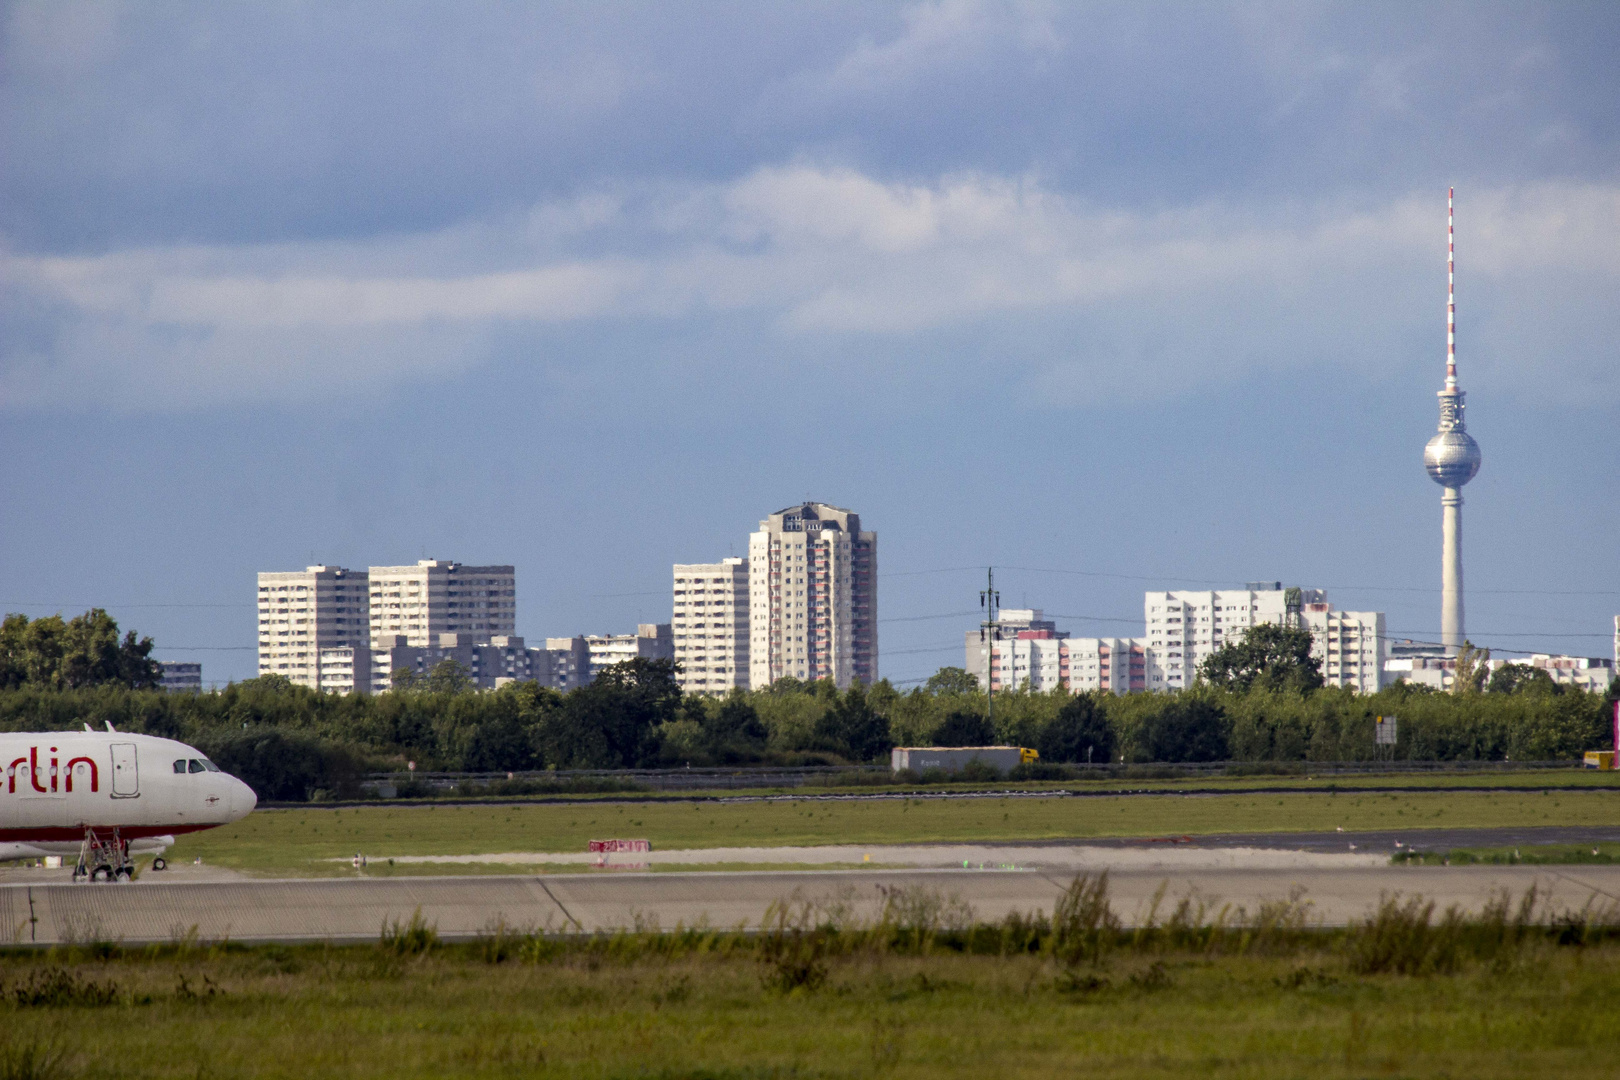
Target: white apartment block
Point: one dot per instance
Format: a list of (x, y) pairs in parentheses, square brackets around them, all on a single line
[(651, 641), (436, 597), (1184, 627), (1117, 665), (303, 612), (710, 625), (345, 669), (1032, 654), (489, 661), (1350, 644), (1592, 674), (812, 609)]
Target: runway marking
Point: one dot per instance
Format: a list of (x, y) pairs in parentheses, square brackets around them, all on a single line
[(560, 906)]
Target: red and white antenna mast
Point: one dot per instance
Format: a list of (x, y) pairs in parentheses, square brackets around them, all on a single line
[(1451, 296)]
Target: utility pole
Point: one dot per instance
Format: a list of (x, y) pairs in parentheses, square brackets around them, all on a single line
[(989, 634)]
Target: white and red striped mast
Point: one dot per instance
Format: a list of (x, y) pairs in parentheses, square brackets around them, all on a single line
[(1451, 296)]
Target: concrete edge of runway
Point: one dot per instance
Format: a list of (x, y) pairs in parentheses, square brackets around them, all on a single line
[(465, 909)]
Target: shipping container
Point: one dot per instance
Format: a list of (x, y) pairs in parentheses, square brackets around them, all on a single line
[(955, 758)]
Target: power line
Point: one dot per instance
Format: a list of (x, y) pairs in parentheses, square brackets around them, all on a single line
[(1227, 582), (926, 618)]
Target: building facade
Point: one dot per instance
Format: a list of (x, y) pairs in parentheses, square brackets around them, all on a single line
[(490, 662), (180, 675), (1350, 644), (564, 664), (812, 612), (1185, 627), (1592, 674), (651, 641), (1033, 654), (437, 597), (303, 612), (711, 627)]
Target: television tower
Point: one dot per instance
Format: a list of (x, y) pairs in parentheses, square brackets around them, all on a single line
[(1452, 458)]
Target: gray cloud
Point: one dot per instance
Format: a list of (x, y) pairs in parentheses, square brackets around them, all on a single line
[(1213, 292)]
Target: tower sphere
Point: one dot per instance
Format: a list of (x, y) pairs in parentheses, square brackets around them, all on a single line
[(1452, 458)]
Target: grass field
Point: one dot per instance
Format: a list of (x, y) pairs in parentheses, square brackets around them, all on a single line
[(717, 1009), (304, 841), (1148, 778)]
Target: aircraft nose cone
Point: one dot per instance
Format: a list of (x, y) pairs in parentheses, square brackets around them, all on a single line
[(243, 800)]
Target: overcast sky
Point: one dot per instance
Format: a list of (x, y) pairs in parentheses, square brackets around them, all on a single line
[(1111, 296)]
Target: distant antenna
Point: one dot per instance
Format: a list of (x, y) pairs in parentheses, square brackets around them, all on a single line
[(1451, 295), (990, 634)]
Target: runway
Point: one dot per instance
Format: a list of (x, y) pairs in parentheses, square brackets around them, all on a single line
[(463, 907)]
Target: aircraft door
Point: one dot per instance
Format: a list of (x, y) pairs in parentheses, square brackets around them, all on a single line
[(126, 781)]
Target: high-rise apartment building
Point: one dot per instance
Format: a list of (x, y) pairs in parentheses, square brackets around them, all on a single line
[(651, 641), (1184, 627), (812, 576), (1350, 644), (711, 626), (436, 597), (303, 612)]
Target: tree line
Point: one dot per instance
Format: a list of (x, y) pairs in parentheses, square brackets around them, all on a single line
[(1259, 700)]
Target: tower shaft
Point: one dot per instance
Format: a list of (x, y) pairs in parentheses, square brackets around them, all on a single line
[(1451, 573)]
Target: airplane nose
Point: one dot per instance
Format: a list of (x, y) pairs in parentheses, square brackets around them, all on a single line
[(243, 800)]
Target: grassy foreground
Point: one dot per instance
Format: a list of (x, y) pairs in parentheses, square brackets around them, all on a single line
[(304, 841), (919, 993)]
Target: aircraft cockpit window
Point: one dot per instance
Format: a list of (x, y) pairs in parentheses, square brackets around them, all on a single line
[(197, 766), (180, 766), (209, 765)]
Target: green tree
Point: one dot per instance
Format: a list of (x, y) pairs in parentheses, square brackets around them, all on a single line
[(962, 727), (852, 728), (1185, 727), (1521, 679), (1270, 657), (1473, 665), (734, 731), (611, 723), (952, 680), (83, 651), (1079, 732), (448, 676)]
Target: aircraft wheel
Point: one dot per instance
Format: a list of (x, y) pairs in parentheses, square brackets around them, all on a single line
[(101, 873), (160, 863), (123, 877)]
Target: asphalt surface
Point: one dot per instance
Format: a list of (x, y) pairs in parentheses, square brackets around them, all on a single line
[(463, 907), (1386, 840)]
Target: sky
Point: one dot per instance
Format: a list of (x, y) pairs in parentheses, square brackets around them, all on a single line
[(1110, 297)]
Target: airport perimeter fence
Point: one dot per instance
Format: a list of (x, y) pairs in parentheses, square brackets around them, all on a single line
[(391, 785)]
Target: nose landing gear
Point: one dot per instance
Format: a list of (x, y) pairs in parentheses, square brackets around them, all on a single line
[(104, 857)]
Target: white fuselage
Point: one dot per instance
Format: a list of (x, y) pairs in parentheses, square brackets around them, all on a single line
[(56, 784)]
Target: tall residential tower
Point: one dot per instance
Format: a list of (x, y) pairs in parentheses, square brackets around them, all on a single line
[(1452, 458), (812, 580)]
